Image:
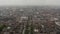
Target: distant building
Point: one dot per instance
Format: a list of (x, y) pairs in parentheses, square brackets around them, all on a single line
[(21, 10), (5, 33), (24, 18)]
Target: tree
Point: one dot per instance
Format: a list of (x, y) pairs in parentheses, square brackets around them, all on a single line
[(2, 27)]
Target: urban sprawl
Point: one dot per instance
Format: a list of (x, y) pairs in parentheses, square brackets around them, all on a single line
[(34, 20)]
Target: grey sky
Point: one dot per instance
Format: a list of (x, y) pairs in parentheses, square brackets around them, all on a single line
[(30, 2)]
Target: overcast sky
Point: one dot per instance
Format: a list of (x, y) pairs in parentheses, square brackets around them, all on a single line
[(30, 2)]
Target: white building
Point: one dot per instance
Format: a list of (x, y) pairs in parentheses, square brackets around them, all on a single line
[(57, 23), (56, 19), (8, 27), (24, 18), (36, 30)]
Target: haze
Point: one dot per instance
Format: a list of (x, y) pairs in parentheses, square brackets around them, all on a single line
[(30, 2)]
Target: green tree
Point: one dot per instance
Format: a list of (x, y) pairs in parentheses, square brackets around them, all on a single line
[(2, 27)]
